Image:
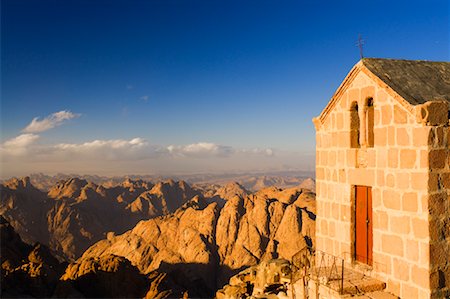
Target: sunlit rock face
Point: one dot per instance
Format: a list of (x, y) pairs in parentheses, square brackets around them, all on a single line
[(209, 243)]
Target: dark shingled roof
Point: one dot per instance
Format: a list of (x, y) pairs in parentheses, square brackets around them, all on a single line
[(417, 81)]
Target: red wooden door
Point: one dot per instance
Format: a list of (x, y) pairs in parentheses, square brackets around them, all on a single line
[(363, 224)]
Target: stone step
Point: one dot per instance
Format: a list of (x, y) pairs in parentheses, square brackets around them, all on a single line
[(376, 295), (354, 282)]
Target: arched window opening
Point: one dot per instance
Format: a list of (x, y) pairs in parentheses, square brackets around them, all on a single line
[(370, 122), (354, 126)]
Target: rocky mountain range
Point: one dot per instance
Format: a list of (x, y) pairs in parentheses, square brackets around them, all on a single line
[(250, 181), (172, 239), (31, 271), (75, 213), (209, 243)]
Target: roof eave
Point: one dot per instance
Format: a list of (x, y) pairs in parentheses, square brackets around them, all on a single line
[(359, 67), (341, 89)]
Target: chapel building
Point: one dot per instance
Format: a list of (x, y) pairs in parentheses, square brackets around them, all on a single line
[(383, 175)]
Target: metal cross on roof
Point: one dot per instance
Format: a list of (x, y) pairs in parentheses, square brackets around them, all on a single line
[(360, 45)]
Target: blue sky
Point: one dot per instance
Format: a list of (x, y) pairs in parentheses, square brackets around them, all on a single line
[(235, 80)]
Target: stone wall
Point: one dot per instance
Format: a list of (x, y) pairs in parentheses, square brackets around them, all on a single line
[(439, 209), (397, 168)]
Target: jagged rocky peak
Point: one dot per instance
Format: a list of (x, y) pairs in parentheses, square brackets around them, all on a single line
[(172, 188), (162, 186), (136, 184), (309, 184), (171, 182), (231, 190), (75, 182), (89, 191), (196, 202), (187, 189), (262, 182), (101, 190), (162, 199), (183, 185), (19, 183), (70, 188), (128, 183), (287, 196), (159, 187)]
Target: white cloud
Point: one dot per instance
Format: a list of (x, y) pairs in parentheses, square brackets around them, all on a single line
[(258, 151), (116, 149), (111, 152), (139, 148), (206, 149), (144, 98), (27, 153), (23, 140), (19, 145), (49, 122), (201, 150), (114, 144)]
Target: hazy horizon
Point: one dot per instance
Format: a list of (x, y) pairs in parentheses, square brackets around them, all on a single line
[(198, 86), (287, 172)]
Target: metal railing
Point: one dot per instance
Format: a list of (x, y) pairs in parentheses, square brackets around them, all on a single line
[(332, 271), (324, 268), (329, 271)]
